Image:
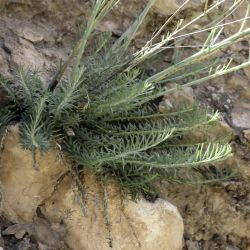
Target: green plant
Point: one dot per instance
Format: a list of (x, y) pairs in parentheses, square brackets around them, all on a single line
[(102, 111)]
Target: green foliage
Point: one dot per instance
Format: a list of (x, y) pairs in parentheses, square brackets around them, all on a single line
[(103, 111)]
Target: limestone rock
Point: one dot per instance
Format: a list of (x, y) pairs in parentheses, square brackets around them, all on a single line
[(23, 188), (30, 34), (182, 97), (239, 87), (155, 225), (241, 117), (166, 7), (141, 225)]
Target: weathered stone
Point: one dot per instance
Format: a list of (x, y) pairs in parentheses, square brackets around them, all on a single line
[(26, 55), (30, 34), (241, 117), (192, 245), (23, 188), (141, 225), (166, 7), (41, 230), (19, 230), (182, 97), (155, 225), (239, 86)]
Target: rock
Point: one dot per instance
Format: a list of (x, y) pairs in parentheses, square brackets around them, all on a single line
[(25, 245), (30, 34), (241, 117), (45, 234), (4, 67), (19, 230), (192, 245), (182, 97), (155, 225), (41, 230), (239, 87), (133, 225), (166, 7), (28, 56), (209, 211), (219, 130), (247, 135), (23, 188)]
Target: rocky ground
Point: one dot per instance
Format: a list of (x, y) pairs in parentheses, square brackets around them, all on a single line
[(40, 33)]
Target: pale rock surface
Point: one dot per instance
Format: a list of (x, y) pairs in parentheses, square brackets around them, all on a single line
[(23, 187), (181, 97), (141, 225), (239, 86), (241, 117), (156, 225), (168, 7)]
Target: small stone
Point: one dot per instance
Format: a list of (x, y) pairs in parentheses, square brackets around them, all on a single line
[(211, 88), (30, 35), (232, 248), (239, 86), (109, 26), (221, 90), (19, 230), (247, 134), (192, 245), (166, 7), (165, 105), (181, 97), (241, 117), (215, 97)]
